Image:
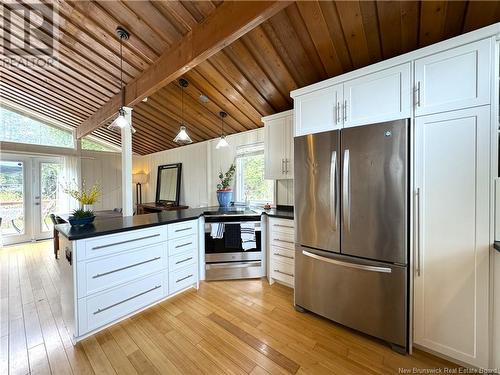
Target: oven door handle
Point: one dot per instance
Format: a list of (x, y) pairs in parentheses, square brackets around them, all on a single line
[(233, 265)]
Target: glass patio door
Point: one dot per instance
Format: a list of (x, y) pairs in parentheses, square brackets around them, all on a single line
[(14, 199), (30, 190), (46, 195)]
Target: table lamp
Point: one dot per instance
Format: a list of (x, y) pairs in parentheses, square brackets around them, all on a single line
[(139, 179)]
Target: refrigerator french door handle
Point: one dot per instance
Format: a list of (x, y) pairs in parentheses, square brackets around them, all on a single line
[(417, 234), (347, 264), (333, 190), (346, 191)]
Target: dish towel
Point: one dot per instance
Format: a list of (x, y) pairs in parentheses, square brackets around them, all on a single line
[(217, 230), (232, 236), (248, 236)]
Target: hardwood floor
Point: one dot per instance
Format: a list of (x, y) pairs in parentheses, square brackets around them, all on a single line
[(230, 327)]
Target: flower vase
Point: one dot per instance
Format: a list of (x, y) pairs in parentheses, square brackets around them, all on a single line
[(224, 197), (88, 207)]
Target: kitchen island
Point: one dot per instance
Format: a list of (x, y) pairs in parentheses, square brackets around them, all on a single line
[(116, 267)]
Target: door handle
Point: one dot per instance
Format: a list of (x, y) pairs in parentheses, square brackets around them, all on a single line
[(286, 166), (282, 166), (418, 94), (347, 264), (333, 190), (337, 112), (346, 191), (345, 110), (417, 234)]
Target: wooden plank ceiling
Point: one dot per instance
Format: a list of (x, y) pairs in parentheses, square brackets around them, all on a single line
[(305, 43)]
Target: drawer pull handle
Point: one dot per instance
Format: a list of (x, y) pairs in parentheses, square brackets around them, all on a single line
[(184, 244), (124, 268), (125, 300), (284, 256), (283, 226), (284, 273), (184, 260), (184, 278), (183, 229), (122, 242), (285, 241)]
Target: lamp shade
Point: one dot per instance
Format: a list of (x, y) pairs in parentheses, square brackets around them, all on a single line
[(140, 178)]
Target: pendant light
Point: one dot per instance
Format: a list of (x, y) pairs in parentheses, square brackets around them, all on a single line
[(121, 122), (222, 141), (182, 137)]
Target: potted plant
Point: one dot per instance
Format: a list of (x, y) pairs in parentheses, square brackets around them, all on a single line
[(224, 191), (81, 217), (87, 198)]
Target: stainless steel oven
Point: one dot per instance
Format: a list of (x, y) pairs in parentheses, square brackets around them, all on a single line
[(224, 262)]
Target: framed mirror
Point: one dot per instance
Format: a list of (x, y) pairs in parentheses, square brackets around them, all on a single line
[(168, 184)]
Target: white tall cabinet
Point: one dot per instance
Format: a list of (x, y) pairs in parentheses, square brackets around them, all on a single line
[(451, 279), (278, 146)]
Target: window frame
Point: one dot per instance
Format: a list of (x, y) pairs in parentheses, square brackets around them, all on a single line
[(253, 149), (43, 121)]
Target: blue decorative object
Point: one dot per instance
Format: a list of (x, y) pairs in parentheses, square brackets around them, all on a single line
[(224, 197), (81, 221)]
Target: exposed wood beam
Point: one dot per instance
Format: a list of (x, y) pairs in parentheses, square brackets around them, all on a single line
[(227, 23)]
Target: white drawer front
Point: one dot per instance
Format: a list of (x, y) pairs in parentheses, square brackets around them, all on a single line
[(103, 273), (283, 272), (99, 310), (181, 260), (182, 278), (182, 229), (110, 244), (183, 244), (284, 240), (281, 226), (283, 255)]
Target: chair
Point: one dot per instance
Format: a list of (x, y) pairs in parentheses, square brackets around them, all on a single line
[(56, 220)]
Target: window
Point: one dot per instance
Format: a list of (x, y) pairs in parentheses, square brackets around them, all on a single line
[(250, 183), (94, 145), (15, 127)]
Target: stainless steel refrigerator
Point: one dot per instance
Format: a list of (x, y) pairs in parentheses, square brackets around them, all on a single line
[(351, 208)]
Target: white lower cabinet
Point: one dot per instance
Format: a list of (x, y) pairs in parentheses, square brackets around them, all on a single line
[(281, 251), (116, 275), (451, 249)]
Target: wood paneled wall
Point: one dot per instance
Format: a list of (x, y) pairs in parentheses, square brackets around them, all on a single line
[(201, 163), (103, 168)]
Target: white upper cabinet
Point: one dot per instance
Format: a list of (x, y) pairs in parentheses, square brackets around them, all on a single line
[(381, 96), (377, 97), (451, 248), (318, 111), (278, 146), (453, 79)]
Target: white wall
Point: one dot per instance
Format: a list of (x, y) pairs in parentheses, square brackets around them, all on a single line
[(103, 168), (201, 164)]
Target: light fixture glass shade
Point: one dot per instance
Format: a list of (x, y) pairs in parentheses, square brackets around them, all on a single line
[(119, 122), (183, 137), (222, 142), (139, 178)]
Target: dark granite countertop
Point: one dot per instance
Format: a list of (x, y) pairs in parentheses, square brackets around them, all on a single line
[(496, 245), (103, 226), (280, 213)]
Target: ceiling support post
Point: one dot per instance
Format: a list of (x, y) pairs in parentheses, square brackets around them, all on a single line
[(126, 136)]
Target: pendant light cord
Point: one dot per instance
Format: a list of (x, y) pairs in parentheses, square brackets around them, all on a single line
[(121, 71), (182, 104)]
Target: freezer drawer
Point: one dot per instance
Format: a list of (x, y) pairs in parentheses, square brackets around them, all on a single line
[(364, 295)]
